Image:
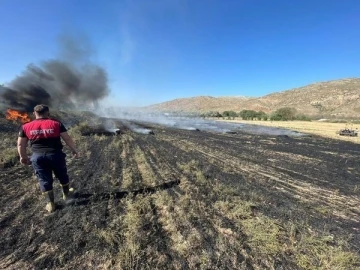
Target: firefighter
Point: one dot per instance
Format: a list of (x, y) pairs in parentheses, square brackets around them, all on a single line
[(47, 156)]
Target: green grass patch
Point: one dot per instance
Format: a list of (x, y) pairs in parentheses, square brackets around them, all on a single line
[(265, 236), (319, 252)]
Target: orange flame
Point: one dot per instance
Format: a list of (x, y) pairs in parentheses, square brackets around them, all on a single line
[(15, 115)]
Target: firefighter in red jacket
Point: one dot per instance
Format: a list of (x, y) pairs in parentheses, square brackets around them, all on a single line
[(47, 157)]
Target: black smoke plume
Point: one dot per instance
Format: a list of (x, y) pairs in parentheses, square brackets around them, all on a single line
[(66, 83)]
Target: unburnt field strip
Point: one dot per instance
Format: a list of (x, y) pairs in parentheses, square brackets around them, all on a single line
[(189, 200)]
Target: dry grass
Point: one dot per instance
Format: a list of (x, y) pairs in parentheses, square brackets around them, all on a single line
[(324, 129)]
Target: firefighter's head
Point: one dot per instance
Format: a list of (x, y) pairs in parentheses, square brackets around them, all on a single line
[(41, 110)]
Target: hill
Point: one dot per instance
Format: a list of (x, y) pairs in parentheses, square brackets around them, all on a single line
[(339, 98)]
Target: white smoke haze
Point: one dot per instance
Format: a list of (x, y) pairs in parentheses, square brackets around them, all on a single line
[(109, 125), (141, 130), (129, 117)]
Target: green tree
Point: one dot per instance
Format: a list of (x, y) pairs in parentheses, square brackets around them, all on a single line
[(261, 115), (211, 114), (229, 114), (284, 114), (248, 114), (242, 114), (275, 117), (233, 114)]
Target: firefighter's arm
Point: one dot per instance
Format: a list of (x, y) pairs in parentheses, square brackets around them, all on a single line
[(69, 142), (21, 146)]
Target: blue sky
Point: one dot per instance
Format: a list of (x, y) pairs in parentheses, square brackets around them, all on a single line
[(157, 50)]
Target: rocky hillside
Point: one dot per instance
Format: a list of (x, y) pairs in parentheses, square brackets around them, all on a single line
[(333, 98)]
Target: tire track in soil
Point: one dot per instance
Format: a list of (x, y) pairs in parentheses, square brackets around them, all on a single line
[(192, 226), (158, 170), (132, 178), (158, 159), (254, 148), (101, 166), (284, 178), (103, 174), (160, 156), (135, 176), (276, 180)]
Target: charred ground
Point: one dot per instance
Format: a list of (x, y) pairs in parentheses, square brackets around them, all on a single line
[(189, 200)]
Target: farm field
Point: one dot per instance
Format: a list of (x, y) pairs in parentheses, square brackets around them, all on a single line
[(186, 199), (324, 129)]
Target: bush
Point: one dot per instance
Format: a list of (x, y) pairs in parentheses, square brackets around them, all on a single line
[(284, 114), (229, 114), (248, 114), (251, 115), (211, 114), (275, 117), (261, 115)]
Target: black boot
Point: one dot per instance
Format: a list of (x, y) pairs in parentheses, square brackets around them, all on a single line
[(67, 193)]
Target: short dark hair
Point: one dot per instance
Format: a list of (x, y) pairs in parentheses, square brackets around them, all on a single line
[(41, 109)]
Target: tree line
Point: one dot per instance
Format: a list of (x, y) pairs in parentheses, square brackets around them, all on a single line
[(281, 114)]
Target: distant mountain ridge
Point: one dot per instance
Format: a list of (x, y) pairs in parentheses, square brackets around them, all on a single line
[(332, 98)]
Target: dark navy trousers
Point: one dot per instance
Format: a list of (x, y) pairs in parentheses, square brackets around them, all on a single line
[(45, 164)]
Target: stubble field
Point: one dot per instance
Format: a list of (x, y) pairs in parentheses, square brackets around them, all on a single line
[(324, 129), (183, 199)]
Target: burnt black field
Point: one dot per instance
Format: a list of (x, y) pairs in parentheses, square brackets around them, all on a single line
[(188, 198)]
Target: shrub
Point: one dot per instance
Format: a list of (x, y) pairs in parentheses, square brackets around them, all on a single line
[(261, 115), (248, 114), (229, 114), (211, 114), (275, 117), (284, 114)]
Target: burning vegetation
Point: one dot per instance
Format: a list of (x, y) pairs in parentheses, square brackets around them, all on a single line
[(15, 115)]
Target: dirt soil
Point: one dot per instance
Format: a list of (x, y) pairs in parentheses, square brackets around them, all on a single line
[(189, 200)]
